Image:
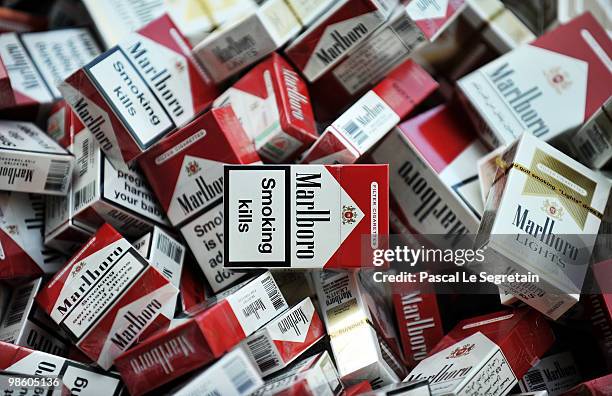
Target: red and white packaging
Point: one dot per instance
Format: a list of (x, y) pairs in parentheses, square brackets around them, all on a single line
[(79, 378), (30, 161), (192, 287), (601, 386), (273, 105), (107, 296), (472, 366), (513, 93), (37, 61), (232, 375), (24, 324), (523, 335), (433, 175), (362, 337), (285, 338), (376, 113), (555, 374), (164, 252), (304, 216), (186, 172), (139, 91), (22, 253), (419, 322), (243, 42), (313, 376), (203, 337), (335, 33)]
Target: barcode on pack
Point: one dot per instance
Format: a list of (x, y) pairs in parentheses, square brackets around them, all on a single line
[(83, 160), (85, 195), (354, 132), (169, 248), (534, 381), (57, 176), (292, 321), (254, 308), (18, 305), (587, 149), (262, 351), (273, 293), (239, 374)]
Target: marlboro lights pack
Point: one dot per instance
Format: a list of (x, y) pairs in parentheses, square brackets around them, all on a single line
[(186, 173), (272, 103), (556, 374), (24, 324), (433, 175), (313, 376), (285, 338), (513, 94), (335, 33), (523, 335), (542, 217), (472, 366), (362, 340), (367, 121), (22, 253), (81, 379), (163, 252), (304, 216), (36, 62), (593, 142), (107, 295), (232, 375), (203, 337), (30, 161), (138, 91), (240, 44)]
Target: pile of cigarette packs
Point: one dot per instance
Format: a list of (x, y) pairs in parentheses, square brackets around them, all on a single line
[(201, 197)]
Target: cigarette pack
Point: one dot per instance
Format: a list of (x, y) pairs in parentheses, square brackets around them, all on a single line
[(593, 142), (320, 216), (139, 91), (107, 296), (555, 373), (232, 375), (30, 161), (186, 173), (242, 43), (434, 179), (512, 94), (163, 252), (203, 336), (523, 335), (327, 41), (472, 366), (542, 217), (285, 338), (415, 388), (363, 341), (313, 376), (272, 103), (37, 61), (24, 324), (22, 253), (596, 387), (307, 11), (79, 378), (376, 113)]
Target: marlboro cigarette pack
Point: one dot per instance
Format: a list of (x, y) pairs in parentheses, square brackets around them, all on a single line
[(313, 376), (434, 179), (364, 345), (556, 374), (139, 91), (163, 252), (272, 103), (186, 173), (542, 217), (472, 366), (107, 295), (37, 61), (24, 324), (304, 216), (79, 378), (327, 41), (203, 337), (376, 113), (22, 253), (233, 375), (523, 335), (242, 43), (513, 94), (285, 338), (593, 142), (30, 161)]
